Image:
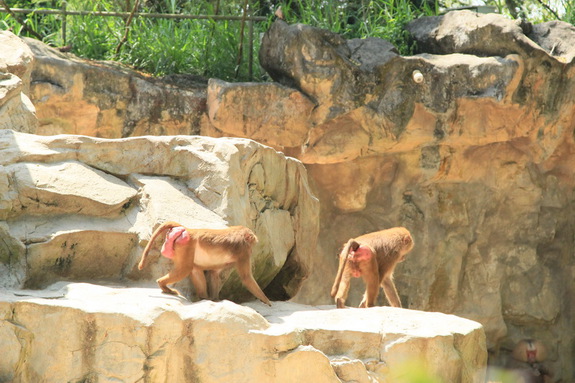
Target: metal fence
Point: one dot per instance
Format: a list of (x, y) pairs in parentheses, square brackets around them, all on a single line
[(245, 18)]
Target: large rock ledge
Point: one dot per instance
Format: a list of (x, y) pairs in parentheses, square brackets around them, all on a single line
[(100, 333), (79, 208)]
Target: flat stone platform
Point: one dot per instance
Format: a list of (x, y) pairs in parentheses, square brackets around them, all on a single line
[(88, 332)]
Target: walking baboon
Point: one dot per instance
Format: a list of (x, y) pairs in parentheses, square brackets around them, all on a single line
[(373, 257), (194, 251)]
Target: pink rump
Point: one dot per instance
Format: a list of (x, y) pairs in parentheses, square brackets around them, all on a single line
[(175, 236), (363, 253)]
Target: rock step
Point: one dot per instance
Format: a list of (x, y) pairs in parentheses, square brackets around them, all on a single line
[(75, 331)]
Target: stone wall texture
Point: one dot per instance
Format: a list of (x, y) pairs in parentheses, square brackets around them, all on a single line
[(476, 160)]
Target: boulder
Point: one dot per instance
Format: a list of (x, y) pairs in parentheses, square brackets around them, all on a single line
[(318, 63), (102, 99), (16, 57), (554, 37), (61, 188), (16, 110), (105, 333), (436, 35), (251, 117), (81, 208)]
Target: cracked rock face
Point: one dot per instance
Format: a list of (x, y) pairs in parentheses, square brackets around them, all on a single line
[(101, 333), (472, 158), (109, 101), (81, 208)]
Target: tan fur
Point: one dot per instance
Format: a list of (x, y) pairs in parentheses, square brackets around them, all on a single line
[(211, 250), (389, 247)]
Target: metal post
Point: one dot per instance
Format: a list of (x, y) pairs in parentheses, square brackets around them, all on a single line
[(64, 4), (250, 46)]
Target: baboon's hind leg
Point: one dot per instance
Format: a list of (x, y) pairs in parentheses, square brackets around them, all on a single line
[(245, 272), (173, 276)]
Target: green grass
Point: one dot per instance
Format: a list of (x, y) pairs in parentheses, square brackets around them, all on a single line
[(47, 26), (569, 12), (165, 46)]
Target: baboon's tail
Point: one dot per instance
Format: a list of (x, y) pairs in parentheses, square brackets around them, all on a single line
[(162, 228), (342, 262)]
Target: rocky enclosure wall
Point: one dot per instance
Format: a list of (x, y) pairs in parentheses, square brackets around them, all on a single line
[(80, 209), (476, 160)]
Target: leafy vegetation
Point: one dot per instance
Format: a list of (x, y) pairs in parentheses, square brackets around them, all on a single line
[(219, 48), (536, 11), (385, 19)]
